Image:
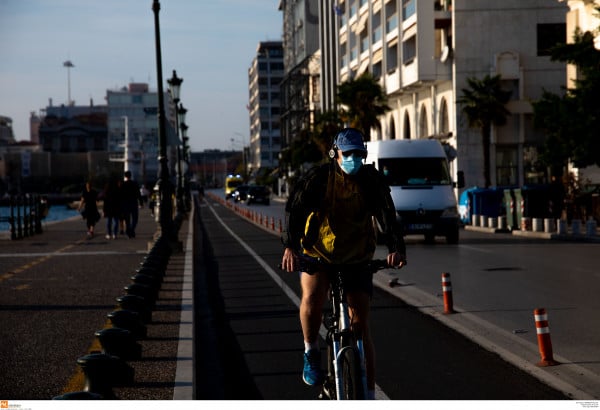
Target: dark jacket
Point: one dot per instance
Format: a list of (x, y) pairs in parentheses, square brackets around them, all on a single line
[(309, 195)]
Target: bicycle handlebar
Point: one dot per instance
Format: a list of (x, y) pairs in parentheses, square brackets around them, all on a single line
[(311, 265)]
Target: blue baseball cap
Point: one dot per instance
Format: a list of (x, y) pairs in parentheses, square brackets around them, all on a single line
[(350, 139)]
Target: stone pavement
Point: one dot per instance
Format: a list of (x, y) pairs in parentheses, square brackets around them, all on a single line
[(57, 289)]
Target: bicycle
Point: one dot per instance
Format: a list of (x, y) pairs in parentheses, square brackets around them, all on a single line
[(346, 372)]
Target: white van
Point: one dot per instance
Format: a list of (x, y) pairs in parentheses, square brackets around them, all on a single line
[(422, 188)]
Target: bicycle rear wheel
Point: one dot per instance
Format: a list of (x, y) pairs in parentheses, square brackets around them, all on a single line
[(351, 374)]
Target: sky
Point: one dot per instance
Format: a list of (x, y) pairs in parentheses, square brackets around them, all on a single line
[(210, 43)]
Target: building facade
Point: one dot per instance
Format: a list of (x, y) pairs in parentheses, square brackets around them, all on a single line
[(422, 53), (582, 15), (73, 128), (301, 85), (264, 105), (132, 124)]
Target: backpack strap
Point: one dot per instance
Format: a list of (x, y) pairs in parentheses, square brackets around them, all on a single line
[(307, 195)]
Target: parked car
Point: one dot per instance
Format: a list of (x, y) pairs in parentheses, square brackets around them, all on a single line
[(241, 193), (259, 194)]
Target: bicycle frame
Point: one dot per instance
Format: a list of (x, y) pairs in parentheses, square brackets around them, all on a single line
[(341, 338)]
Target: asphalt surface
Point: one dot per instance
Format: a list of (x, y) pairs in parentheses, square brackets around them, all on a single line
[(417, 358)]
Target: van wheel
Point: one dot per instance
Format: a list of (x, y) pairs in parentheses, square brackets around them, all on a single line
[(452, 237)]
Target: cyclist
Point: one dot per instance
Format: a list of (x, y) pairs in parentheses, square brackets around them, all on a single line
[(329, 216)]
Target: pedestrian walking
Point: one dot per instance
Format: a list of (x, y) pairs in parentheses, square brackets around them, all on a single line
[(144, 193), (112, 208), (132, 200), (88, 206)]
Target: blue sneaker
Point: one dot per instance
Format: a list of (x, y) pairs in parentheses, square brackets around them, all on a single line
[(312, 374)]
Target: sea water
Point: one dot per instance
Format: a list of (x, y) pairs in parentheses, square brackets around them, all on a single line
[(55, 213)]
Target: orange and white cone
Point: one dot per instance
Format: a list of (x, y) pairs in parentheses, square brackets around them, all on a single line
[(447, 292), (543, 337)]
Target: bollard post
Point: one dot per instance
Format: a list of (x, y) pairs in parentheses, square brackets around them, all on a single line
[(543, 336), (137, 304), (130, 320), (447, 292), (119, 342), (103, 372)]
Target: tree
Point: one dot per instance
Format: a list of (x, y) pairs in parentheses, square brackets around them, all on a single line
[(571, 121), (484, 105), (363, 100), (327, 125)]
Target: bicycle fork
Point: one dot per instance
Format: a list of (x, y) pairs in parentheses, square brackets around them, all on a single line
[(339, 351)]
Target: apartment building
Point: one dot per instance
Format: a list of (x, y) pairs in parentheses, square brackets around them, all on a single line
[(264, 79), (582, 15), (302, 64), (423, 51), (132, 113)]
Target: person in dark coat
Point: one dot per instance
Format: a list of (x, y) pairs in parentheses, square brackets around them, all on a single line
[(132, 200), (112, 208), (89, 205)]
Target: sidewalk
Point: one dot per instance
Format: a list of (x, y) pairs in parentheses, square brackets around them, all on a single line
[(57, 290), (569, 236)]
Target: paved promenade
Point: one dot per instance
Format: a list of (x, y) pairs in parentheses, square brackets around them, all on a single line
[(56, 290)]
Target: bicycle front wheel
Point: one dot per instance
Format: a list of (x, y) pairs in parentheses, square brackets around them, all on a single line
[(351, 374)]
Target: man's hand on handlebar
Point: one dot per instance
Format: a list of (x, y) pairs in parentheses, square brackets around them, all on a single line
[(396, 260)]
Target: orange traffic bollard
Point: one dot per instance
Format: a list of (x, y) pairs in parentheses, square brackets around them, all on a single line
[(447, 292), (543, 335)]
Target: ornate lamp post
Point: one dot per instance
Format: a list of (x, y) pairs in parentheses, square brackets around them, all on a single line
[(185, 164), (175, 89), (164, 185)]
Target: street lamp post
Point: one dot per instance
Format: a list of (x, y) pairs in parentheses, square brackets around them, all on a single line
[(164, 186), (184, 160), (69, 65), (186, 166), (175, 89)]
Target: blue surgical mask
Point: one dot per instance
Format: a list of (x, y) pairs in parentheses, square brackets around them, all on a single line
[(351, 164)]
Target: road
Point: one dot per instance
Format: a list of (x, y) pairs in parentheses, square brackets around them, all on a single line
[(498, 280)]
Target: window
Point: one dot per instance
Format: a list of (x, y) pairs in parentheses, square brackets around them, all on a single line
[(408, 8), (512, 86), (344, 54), (506, 165), (392, 58), (391, 15), (409, 50), (376, 22), (548, 35), (364, 41), (354, 53), (377, 70), (353, 9)]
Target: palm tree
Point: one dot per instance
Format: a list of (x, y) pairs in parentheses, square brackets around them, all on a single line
[(363, 100), (484, 105)]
